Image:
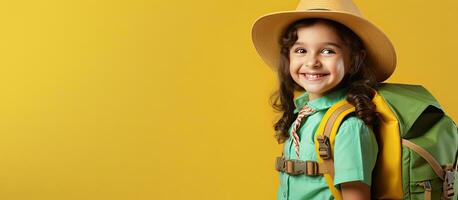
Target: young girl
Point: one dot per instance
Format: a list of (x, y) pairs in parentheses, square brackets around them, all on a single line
[(323, 52)]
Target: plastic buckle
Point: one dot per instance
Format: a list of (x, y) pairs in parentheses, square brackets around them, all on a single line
[(426, 185), (448, 187), (323, 147), (289, 167), (311, 168), (280, 164), (295, 167)]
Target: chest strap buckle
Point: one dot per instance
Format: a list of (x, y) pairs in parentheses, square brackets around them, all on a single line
[(295, 167)]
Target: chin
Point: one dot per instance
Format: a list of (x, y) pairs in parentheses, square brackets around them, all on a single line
[(316, 90)]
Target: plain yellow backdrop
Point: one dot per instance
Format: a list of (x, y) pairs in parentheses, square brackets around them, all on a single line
[(167, 99)]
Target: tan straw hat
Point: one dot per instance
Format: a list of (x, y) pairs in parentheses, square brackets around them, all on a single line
[(267, 30)]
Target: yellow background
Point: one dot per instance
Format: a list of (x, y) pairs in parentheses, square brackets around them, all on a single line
[(167, 99)]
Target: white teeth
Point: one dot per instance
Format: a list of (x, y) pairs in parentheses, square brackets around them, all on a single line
[(314, 75)]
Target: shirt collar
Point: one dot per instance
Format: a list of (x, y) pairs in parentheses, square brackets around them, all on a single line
[(321, 103)]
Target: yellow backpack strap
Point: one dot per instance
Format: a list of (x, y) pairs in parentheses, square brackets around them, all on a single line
[(324, 141)]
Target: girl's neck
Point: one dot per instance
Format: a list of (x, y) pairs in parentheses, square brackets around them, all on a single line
[(316, 96)]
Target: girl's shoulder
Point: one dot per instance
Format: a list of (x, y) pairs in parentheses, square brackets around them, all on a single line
[(353, 125)]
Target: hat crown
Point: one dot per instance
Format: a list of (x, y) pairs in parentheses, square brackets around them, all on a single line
[(330, 5)]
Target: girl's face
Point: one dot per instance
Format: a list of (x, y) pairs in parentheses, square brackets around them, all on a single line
[(318, 59)]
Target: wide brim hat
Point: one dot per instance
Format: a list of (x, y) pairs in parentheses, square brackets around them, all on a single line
[(267, 30)]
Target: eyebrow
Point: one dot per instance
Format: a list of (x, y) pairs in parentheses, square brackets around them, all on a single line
[(324, 43)]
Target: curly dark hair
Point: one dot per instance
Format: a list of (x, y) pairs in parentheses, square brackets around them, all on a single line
[(360, 78)]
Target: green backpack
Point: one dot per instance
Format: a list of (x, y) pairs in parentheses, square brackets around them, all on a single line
[(418, 145)]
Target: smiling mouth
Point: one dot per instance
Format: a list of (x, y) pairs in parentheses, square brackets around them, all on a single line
[(313, 77)]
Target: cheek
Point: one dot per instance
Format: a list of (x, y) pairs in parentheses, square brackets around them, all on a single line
[(342, 69), (339, 69), (346, 63), (294, 66), (341, 66), (292, 71)]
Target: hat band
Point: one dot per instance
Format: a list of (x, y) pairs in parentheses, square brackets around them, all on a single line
[(317, 9)]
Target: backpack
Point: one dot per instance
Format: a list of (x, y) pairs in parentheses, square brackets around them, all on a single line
[(418, 145)]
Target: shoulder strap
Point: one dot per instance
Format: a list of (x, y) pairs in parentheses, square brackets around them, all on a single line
[(324, 141), (427, 156)]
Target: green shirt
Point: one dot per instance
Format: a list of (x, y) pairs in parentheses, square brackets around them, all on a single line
[(354, 156)]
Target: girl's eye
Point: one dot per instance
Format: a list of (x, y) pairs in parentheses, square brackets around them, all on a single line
[(300, 50), (328, 51)]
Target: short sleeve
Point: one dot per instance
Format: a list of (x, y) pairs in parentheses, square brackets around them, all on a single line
[(355, 152)]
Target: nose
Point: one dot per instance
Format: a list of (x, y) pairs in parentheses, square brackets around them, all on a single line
[(311, 60)]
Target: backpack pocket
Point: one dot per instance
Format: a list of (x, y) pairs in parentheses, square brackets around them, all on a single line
[(418, 177)]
